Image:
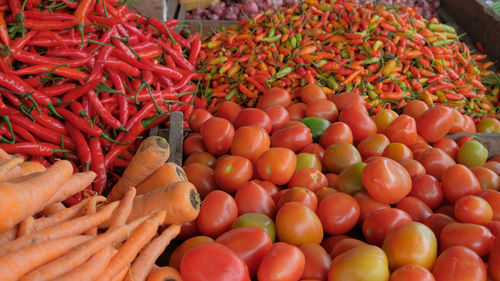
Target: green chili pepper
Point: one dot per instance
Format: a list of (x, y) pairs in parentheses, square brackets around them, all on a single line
[(271, 39), (293, 42), (370, 86), (441, 27), (272, 31), (212, 44), (372, 94), (344, 54), (372, 27), (371, 60), (442, 42), (283, 72), (332, 83)]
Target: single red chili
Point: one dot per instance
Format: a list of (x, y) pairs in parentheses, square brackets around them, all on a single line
[(49, 122), (70, 53), (167, 71), (23, 133), (122, 66), (105, 115), (178, 58), (32, 58), (48, 24), (80, 91), (122, 101), (81, 145), (44, 15), (80, 123), (31, 148), (4, 32), (97, 165)]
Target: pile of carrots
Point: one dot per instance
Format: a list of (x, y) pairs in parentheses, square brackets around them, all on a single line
[(99, 238)]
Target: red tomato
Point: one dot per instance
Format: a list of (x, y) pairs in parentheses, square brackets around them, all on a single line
[(293, 135), (329, 243), (435, 123), (403, 129), (373, 145), (310, 178), (415, 108), (338, 213), (458, 181), (356, 117), (459, 124), (428, 189), (250, 142), (278, 114), (415, 207), (250, 243), (437, 221), (397, 152), (296, 111), (487, 178), (228, 110), (435, 162), (311, 92), (202, 177), (217, 135), (197, 118), (283, 262), (253, 198), (323, 192), (367, 205), (459, 263), (447, 145), (277, 165), (335, 133), (332, 178), (473, 236), (218, 211), (446, 209), (253, 116), (314, 148), (379, 223), (184, 247), (274, 96), (494, 261), (343, 100), (412, 272), (473, 209), (308, 160), (386, 180), (297, 224), (188, 230), (317, 261), (345, 245), (339, 156), (360, 263), (298, 194), (270, 188), (193, 143), (232, 172), (383, 118), (204, 158), (322, 108), (493, 199), (413, 167), (213, 261), (469, 124)]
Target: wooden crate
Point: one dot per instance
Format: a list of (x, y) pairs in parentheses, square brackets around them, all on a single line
[(204, 27), (161, 9)]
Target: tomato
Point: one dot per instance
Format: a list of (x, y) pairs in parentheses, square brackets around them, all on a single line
[(232, 172), (332, 178), (296, 111), (415, 108), (197, 118), (250, 243), (493, 165), (283, 262), (473, 236), (297, 224), (493, 199), (437, 221), (397, 152), (363, 263), (270, 187), (228, 110), (494, 261), (435, 161), (356, 117), (193, 143), (447, 145), (415, 207), (459, 124), (253, 198), (329, 243), (446, 209), (472, 154), (299, 194), (316, 149), (473, 209), (345, 245), (202, 177), (367, 205), (253, 116), (349, 180), (339, 156), (213, 261), (308, 160), (413, 167), (383, 118), (310, 178), (218, 211), (411, 243), (380, 222), (338, 213), (293, 135), (403, 129), (278, 114), (458, 181), (373, 145), (323, 192), (179, 252), (488, 125), (188, 230), (217, 135), (487, 178), (274, 96), (204, 158), (469, 124), (317, 126), (250, 142), (386, 180), (412, 272), (322, 108), (311, 92), (277, 165), (459, 263), (343, 100), (435, 123), (335, 133), (317, 261), (428, 189), (258, 220)]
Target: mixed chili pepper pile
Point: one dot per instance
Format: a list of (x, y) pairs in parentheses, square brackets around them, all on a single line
[(83, 80), (387, 54)]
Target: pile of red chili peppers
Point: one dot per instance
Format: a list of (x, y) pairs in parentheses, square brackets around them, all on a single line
[(83, 80), (387, 54)]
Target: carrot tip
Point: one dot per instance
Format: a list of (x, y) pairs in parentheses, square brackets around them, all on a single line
[(195, 199)]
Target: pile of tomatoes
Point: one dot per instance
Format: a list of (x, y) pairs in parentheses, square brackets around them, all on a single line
[(317, 189)]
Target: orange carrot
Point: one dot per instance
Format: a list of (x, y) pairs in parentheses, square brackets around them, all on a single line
[(143, 265), (91, 209), (66, 229), (16, 264), (127, 253), (32, 167), (123, 212), (26, 226), (4, 155), (83, 252), (152, 153), (6, 167), (179, 199), (121, 275), (19, 200), (168, 173), (76, 183), (165, 273), (8, 235), (52, 209)]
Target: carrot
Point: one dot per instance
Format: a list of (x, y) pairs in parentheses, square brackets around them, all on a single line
[(19, 200), (126, 254), (4, 155), (75, 184), (26, 226), (32, 167), (91, 269), (7, 165), (52, 209), (8, 235), (121, 275), (168, 173), (83, 252), (92, 209), (179, 199), (16, 264), (165, 273), (66, 229), (123, 212), (151, 154), (143, 265)]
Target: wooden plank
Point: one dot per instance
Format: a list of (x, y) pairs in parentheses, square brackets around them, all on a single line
[(490, 140), (151, 8), (172, 7), (176, 137)]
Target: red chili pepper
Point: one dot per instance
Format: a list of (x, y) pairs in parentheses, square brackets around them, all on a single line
[(45, 15), (81, 145), (78, 92), (49, 122), (32, 58), (4, 32), (71, 53), (80, 123), (105, 115), (98, 166), (23, 133), (48, 24), (30, 148)]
